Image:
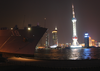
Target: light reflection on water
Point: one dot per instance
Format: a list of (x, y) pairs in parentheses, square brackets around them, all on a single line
[(68, 54)]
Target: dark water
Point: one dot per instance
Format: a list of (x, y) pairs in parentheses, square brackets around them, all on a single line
[(68, 54)]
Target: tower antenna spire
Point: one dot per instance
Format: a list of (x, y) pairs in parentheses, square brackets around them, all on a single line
[(73, 11)]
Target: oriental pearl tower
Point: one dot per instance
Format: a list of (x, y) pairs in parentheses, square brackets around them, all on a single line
[(74, 38)]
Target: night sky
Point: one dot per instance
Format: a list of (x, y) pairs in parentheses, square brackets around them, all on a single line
[(57, 12)]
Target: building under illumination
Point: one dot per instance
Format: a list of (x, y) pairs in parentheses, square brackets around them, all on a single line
[(92, 42), (55, 38), (74, 38), (98, 44), (82, 44), (67, 44), (86, 39), (47, 40)]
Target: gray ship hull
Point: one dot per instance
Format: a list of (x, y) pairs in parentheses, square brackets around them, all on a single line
[(21, 41)]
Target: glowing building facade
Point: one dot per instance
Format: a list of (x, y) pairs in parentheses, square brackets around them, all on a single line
[(86, 39), (74, 38), (47, 40), (55, 38), (98, 44), (92, 42)]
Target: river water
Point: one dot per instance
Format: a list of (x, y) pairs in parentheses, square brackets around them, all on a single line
[(68, 54)]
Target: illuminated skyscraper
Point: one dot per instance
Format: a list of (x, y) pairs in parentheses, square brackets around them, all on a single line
[(86, 39), (47, 35), (55, 38), (98, 44), (74, 38), (47, 40), (92, 42)]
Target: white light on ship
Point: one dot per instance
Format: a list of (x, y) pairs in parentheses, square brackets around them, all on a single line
[(11, 28), (29, 28)]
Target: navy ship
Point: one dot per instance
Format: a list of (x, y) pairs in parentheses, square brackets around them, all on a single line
[(20, 42)]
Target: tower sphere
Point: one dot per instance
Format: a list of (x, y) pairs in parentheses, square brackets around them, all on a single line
[(74, 20)]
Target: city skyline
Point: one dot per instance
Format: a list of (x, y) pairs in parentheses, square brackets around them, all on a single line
[(57, 13)]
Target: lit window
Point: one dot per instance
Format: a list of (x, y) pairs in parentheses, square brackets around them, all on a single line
[(86, 34)]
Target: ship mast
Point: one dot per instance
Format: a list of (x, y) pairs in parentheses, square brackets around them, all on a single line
[(24, 21)]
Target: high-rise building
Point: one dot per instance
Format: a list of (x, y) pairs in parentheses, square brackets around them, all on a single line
[(55, 38), (74, 38), (47, 40), (47, 35), (86, 39), (92, 42), (98, 44)]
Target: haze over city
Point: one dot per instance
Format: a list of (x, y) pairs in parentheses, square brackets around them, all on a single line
[(58, 13)]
